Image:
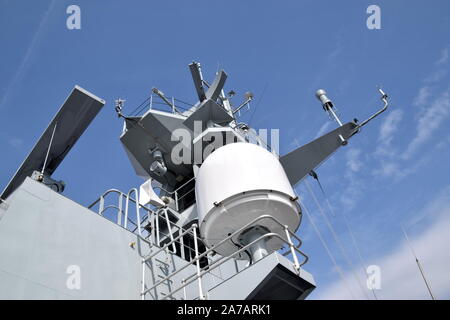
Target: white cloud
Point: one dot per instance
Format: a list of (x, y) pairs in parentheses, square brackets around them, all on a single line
[(387, 130), (429, 118), (354, 162), (444, 56), (443, 144), (387, 169), (400, 277), (436, 76), (16, 142), (397, 171), (353, 190), (435, 206), (337, 50), (439, 73), (422, 96), (429, 122), (28, 53), (432, 114), (328, 64), (323, 129), (294, 143)]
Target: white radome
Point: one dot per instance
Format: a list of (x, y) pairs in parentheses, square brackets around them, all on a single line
[(238, 183)]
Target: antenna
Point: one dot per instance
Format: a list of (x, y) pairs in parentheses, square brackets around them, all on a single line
[(418, 263), (160, 94), (74, 116), (248, 98), (119, 105), (327, 105), (197, 76), (48, 151), (384, 97)]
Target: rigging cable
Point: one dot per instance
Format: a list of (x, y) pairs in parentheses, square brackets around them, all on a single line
[(313, 174), (327, 249), (139, 106), (146, 103), (418, 264), (183, 102), (337, 239), (347, 225), (257, 103)]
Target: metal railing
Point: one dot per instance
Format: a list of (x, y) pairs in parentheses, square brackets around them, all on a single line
[(122, 218), (200, 272), (155, 102), (178, 194), (251, 136), (158, 227), (175, 237), (122, 212)]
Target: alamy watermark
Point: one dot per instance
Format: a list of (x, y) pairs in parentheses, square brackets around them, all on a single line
[(73, 281), (373, 21), (73, 21), (373, 277), (206, 142)]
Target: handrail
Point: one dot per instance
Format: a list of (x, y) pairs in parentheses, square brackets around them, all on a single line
[(143, 279), (197, 264), (186, 193), (150, 102), (138, 214), (167, 245), (128, 197), (200, 271), (215, 264), (118, 192), (198, 257), (111, 206), (175, 192), (252, 134), (291, 245), (177, 189), (169, 229), (177, 271), (197, 275), (104, 195)]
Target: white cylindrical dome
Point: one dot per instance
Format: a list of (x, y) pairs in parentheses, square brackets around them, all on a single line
[(238, 183)]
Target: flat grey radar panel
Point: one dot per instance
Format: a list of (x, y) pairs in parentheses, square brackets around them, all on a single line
[(72, 119)]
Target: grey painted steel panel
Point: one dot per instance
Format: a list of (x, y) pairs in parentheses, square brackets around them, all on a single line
[(282, 284), (43, 233), (154, 128), (74, 116), (208, 110), (216, 87), (243, 284), (301, 161), (196, 76)]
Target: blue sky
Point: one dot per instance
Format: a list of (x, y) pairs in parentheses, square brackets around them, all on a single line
[(394, 172)]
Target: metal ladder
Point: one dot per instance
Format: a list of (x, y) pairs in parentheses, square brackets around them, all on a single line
[(200, 272), (152, 240), (159, 268)]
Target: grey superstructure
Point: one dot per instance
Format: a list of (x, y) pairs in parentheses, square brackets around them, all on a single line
[(154, 247)]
